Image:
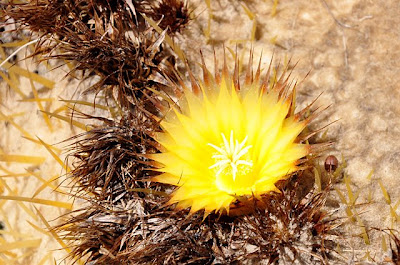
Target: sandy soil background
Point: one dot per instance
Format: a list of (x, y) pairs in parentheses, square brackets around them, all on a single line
[(351, 48)]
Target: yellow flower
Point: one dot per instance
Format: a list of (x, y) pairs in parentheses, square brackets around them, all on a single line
[(224, 139)]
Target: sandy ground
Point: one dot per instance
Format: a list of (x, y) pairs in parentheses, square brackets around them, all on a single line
[(351, 49)]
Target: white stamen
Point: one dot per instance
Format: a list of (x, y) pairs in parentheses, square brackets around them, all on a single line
[(230, 154)]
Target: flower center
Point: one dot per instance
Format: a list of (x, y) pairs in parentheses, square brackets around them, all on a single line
[(231, 164)]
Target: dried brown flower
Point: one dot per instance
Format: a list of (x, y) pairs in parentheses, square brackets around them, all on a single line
[(286, 228), (110, 39), (173, 15), (108, 159)]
